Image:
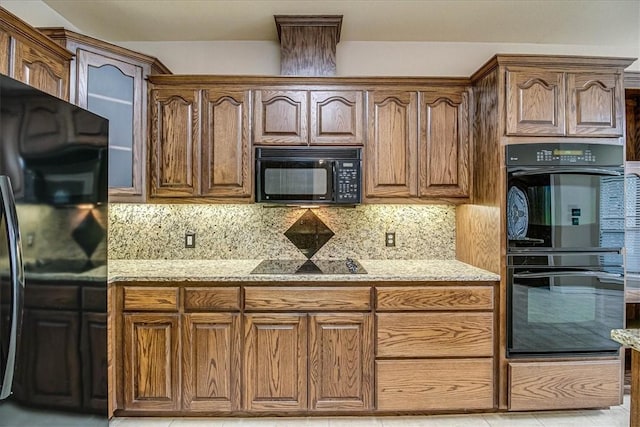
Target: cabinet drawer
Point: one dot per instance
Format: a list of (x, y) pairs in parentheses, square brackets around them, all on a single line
[(307, 298), (216, 299), (419, 385), (564, 385), (147, 298), (434, 298), (435, 334)]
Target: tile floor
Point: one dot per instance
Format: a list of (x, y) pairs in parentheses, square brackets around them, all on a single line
[(617, 416)]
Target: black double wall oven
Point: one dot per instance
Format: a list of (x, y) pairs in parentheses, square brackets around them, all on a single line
[(565, 231)]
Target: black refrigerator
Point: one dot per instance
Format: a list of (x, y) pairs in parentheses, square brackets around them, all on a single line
[(53, 256)]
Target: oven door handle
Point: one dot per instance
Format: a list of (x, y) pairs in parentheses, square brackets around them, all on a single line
[(582, 170), (598, 274)]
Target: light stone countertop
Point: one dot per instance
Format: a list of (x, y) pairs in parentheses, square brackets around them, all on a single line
[(240, 270), (627, 337)]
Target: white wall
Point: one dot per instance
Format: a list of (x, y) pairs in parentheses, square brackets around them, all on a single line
[(356, 58), (353, 58)]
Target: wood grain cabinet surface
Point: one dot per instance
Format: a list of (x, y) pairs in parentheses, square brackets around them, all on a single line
[(555, 103), (175, 143), (302, 117), (33, 58), (391, 152), (444, 151), (109, 80)]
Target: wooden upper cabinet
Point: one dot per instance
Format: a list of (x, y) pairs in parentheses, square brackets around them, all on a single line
[(391, 153), (336, 117), (33, 58), (596, 104), (281, 117), (174, 142), (211, 362), (109, 80), (226, 156), (535, 102), (275, 362), (40, 70), (444, 144), (341, 362)]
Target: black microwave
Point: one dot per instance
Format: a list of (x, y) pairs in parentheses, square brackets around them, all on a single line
[(313, 175)]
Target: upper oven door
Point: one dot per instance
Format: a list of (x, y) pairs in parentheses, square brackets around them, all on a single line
[(565, 209), (294, 181)]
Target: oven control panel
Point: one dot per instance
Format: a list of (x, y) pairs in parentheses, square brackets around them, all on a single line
[(546, 154)]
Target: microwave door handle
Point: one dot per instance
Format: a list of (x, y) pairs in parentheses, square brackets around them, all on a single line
[(598, 274), (17, 281), (581, 170)]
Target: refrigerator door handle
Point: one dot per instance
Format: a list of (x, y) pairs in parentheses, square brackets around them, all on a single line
[(17, 281)]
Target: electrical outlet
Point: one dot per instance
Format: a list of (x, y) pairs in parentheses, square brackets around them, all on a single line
[(390, 239), (189, 239)]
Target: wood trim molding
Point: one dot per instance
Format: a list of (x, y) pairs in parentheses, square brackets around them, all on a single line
[(632, 79), (20, 29), (60, 34), (309, 21)]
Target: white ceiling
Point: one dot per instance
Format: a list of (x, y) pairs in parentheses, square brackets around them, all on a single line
[(582, 22)]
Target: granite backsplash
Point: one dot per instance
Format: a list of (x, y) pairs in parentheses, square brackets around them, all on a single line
[(156, 231)]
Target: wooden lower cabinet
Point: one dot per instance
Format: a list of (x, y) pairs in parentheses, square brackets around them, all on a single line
[(211, 362), (340, 362), (434, 384), (275, 362), (564, 385), (151, 362)]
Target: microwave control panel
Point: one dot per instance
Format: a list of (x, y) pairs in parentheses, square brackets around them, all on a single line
[(348, 181)]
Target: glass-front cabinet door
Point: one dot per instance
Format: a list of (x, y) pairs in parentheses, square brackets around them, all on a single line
[(113, 89)]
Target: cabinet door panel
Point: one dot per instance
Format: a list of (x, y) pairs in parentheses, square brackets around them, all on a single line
[(596, 104), (275, 362), (341, 362), (94, 360), (151, 362), (444, 144), (226, 157), (211, 362), (5, 46), (114, 89), (53, 371), (392, 145), (174, 143), (36, 69), (281, 117), (337, 117), (535, 102)]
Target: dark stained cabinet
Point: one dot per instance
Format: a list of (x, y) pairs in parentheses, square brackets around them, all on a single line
[(275, 362), (211, 358), (175, 136), (226, 155), (391, 152), (444, 151)]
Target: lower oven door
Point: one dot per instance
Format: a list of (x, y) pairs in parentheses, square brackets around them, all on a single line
[(563, 312)]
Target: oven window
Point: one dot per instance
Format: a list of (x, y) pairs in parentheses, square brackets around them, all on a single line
[(564, 312), (566, 211), (295, 181)]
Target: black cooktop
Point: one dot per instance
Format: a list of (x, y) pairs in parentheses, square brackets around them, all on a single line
[(294, 266)]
